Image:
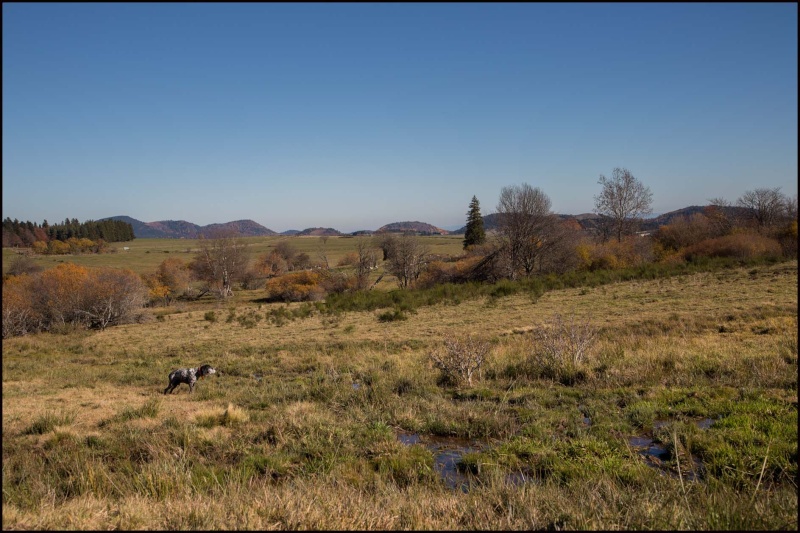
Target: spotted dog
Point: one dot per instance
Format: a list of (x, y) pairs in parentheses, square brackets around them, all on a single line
[(188, 376)]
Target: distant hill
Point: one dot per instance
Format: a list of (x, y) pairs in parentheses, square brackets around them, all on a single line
[(421, 228), (319, 232), (654, 223), (181, 229), (591, 221), (245, 228)]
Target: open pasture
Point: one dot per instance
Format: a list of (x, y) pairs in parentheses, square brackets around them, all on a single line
[(144, 255), (684, 416)]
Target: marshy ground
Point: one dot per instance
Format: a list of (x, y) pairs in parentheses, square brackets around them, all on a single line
[(683, 417)]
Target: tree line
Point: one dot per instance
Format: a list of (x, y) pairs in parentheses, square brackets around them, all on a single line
[(26, 234)]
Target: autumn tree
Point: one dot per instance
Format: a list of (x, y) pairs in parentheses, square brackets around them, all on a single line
[(58, 293), (73, 296), (525, 226), (474, 234), (624, 200), (171, 279), (221, 261), (111, 296), (19, 315), (272, 264)]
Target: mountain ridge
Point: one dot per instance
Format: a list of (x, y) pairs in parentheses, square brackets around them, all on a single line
[(182, 229)]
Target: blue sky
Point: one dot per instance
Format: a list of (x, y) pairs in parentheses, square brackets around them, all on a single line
[(357, 115)]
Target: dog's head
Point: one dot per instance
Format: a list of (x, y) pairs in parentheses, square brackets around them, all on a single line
[(205, 370)]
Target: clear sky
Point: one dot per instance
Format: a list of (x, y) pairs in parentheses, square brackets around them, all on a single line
[(353, 116)]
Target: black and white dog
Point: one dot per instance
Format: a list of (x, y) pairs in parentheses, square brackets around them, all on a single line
[(188, 376)]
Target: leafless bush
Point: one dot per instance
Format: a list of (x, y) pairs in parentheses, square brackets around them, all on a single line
[(23, 265), (561, 350), (460, 358)]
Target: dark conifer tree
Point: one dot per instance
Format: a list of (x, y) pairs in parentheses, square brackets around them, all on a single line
[(474, 233)]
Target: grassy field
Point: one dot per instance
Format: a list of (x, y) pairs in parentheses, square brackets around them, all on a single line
[(682, 416), (144, 255)]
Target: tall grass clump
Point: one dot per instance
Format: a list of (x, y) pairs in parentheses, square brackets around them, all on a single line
[(230, 416), (47, 422)]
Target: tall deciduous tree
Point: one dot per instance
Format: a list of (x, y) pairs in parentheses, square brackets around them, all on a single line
[(407, 260), (623, 199), (475, 233), (525, 226), (767, 206), (221, 261)]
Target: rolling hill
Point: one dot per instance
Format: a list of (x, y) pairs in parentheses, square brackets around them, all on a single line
[(421, 228), (181, 229)]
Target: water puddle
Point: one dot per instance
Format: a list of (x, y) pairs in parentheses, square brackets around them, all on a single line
[(704, 423), (586, 420), (656, 455), (447, 453), (520, 478)]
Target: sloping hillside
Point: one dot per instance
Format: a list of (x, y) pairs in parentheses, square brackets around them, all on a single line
[(319, 232), (421, 228)]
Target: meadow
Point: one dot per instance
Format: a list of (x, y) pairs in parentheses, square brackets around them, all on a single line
[(683, 415), (144, 255)]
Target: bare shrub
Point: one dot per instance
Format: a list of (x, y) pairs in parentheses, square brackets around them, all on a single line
[(349, 259), (332, 281), (23, 265), (439, 272), (460, 358), (561, 350)]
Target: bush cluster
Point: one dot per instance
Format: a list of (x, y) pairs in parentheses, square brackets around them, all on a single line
[(73, 245), (69, 295), (296, 287), (738, 246)]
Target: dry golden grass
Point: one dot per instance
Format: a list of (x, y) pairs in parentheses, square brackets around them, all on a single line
[(284, 396), (701, 297)]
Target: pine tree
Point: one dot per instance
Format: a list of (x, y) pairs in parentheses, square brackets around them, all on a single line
[(474, 233)]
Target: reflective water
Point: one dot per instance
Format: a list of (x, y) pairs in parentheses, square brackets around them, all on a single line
[(447, 452)]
